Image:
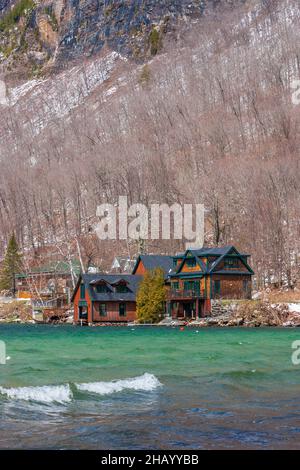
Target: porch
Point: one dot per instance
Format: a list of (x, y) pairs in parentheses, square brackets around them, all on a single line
[(188, 308)]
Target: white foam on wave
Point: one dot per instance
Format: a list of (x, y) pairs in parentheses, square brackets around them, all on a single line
[(44, 394), (146, 382)]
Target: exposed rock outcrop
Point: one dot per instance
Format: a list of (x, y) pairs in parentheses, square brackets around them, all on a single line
[(68, 30)]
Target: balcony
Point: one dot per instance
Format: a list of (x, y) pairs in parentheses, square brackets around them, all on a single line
[(182, 294)]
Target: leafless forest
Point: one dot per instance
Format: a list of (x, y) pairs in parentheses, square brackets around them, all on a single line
[(209, 120)]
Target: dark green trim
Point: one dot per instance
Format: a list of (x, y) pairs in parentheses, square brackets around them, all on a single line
[(82, 290), (136, 264), (196, 274), (237, 254), (185, 257)]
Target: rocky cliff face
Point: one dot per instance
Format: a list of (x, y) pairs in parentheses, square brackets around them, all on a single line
[(37, 35), (3, 5)]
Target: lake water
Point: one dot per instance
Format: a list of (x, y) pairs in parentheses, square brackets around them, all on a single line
[(68, 387)]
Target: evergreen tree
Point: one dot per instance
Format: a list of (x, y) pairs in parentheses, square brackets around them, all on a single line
[(151, 297), (12, 264)]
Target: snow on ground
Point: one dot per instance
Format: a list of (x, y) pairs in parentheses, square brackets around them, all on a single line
[(46, 100), (294, 307), (8, 300), (16, 93)]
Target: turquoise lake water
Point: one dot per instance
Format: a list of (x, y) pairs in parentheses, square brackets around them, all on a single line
[(67, 387)]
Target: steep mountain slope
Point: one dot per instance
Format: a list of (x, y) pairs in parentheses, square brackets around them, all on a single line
[(38, 35), (208, 119)]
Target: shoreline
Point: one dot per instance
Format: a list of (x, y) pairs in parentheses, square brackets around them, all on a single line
[(253, 313), (203, 325)]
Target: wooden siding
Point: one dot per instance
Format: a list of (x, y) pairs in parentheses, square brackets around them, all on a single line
[(112, 312), (77, 299), (190, 269), (231, 287), (140, 270)]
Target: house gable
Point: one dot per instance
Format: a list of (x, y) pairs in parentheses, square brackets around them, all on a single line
[(231, 262), (190, 264), (139, 268), (149, 262)]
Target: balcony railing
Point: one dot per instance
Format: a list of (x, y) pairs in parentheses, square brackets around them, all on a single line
[(177, 294)]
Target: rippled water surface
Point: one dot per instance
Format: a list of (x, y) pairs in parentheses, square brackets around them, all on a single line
[(68, 387)]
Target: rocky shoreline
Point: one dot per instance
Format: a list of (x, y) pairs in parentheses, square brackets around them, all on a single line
[(248, 314)]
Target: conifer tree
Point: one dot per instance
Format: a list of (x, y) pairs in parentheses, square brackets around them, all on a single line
[(12, 264), (151, 297)]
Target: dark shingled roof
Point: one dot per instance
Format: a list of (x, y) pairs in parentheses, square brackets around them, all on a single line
[(156, 261), (218, 251), (132, 284)]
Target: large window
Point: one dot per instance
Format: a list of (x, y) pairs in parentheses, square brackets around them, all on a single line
[(82, 291), (122, 310), (102, 310), (175, 285)]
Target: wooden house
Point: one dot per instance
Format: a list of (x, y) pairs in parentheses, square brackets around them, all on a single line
[(101, 298), (199, 276), (193, 280)]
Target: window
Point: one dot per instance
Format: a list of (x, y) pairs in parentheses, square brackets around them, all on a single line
[(101, 288), (175, 285), (102, 310), (189, 285), (217, 285), (122, 310), (245, 286), (231, 263), (121, 288), (191, 262), (82, 291)]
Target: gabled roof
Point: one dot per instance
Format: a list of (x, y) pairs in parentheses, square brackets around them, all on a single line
[(202, 266), (155, 261), (227, 251), (216, 252), (90, 280)]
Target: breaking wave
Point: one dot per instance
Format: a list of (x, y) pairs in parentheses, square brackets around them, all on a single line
[(44, 394), (63, 393), (145, 382)]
